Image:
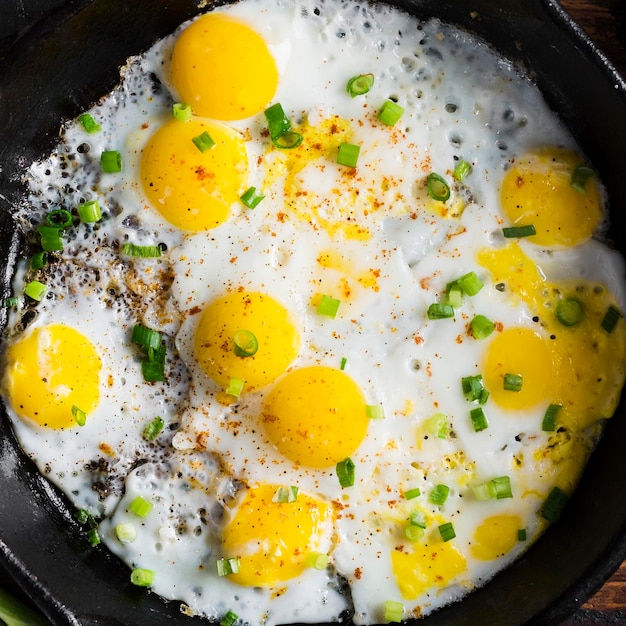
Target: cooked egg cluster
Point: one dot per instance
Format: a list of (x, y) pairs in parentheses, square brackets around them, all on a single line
[(317, 323)]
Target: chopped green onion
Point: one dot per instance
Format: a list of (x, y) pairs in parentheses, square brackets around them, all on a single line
[(203, 141), (80, 417), (473, 388), (470, 283), (484, 491), (153, 429), (569, 312), (82, 516), (438, 188), (252, 197), (549, 418), (554, 504), (360, 85), (245, 343), (279, 127), (93, 537), (479, 419), (153, 366), (481, 327), (142, 577), (111, 161), (394, 611), (462, 169), (50, 238), (511, 232), (146, 337), (11, 301), (413, 533), (35, 290), (286, 495), (416, 518), (38, 260), (580, 176), (610, 319), (348, 154), (90, 212), (140, 506), (343, 363), (89, 123), (440, 311), (439, 494), (317, 560), (144, 252), (447, 531), (502, 485), (437, 424), (454, 294), (288, 140), (85, 517), (226, 567), (390, 113), (412, 493), (229, 619), (374, 411), (126, 533), (235, 387), (59, 218), (345, 472), (512, 382), (328, 306), (181, 111), (521, 534)]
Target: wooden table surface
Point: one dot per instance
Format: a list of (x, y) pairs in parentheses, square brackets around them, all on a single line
[(605, 23)]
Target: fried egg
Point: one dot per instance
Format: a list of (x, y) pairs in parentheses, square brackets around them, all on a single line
[(297, 386)]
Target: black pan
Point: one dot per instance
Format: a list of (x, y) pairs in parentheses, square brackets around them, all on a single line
[(68, 63)]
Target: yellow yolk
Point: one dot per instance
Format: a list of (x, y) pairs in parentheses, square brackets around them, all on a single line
[(536, 190), (421, 566), (496, 536), (194, 190), (223, 69), (587, 366), (49, 371), (316, 416), (271, 539), (270, 323), (520, 351)]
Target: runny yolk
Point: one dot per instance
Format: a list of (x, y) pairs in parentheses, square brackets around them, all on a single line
[(273, 540), (496, 536), (315, 416), (223, 69), (50, 370), (194, 190)]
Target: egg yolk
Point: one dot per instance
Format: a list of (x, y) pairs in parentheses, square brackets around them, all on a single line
[(49, 371), (496, 536), (523, 352), (194, 190), (257, 314), (537, 191), (273, 539), (425, 565), (223, 69), (316, 416)]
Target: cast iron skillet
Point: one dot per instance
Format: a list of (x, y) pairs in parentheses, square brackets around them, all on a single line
[(67, 64)]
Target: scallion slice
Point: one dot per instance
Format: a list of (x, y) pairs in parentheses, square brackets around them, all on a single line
[(142, 577), (502, 486), (437, 424), (512, 382), (462, 169), (549, 418), (80, 417), (140, 506), (345, 472), (521, 534), (328, 306), (447, 531), (235, 387), (479, 419), (393, 611), (581, 174), (317, 560), (245, 343), (413, 533), (481, 327), (229, 619), (126, 533), (470, 283), (181, 111), (38, 260), (279, 127), (226, 567), (554, 504), (93, 537), (111, 161), (153, 365), (90, 212), (50, 238), (610, 319), (440, 311), (390, 113), (251, 197), (36, 290), (510, 232), (360, 85), (146, 337), (203, 141), (11, 301), (412, 493), (59, 218), (472, 387), (375, 411), (144, 252), (89, 123), (569, 312), (342, 366), (348, 154), (285, 495), (484, 491), (417, 518), (439, 494), (438, 188), (288, 140), (153, 429), (454, 294)]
